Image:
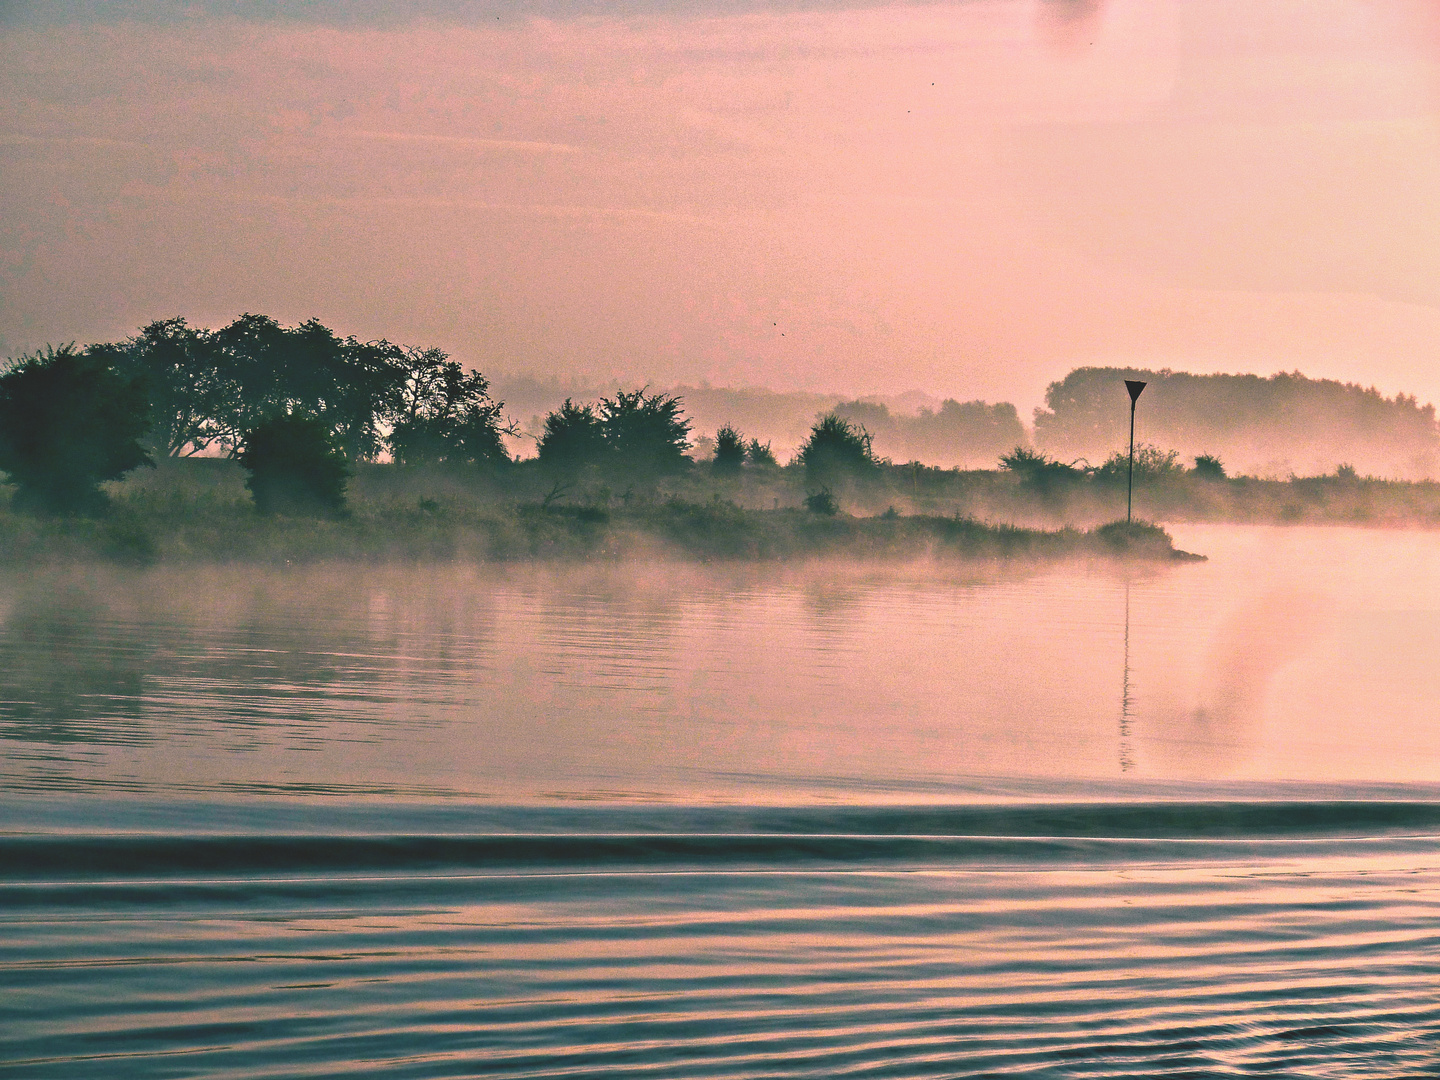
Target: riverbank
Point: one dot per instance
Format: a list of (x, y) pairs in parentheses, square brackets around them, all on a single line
[(146, 529)]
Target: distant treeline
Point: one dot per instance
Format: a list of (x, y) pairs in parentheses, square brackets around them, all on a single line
[(907, 427), (300, 408), (1279, 425), (964, 433)]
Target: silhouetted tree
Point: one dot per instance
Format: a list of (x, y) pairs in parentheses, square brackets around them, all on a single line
[(645, 433), (837, 450), (758, 455), (349, 386), (181, 369), (294, 465), (445, 415), (573, 438), (68, 422), (729, 451)]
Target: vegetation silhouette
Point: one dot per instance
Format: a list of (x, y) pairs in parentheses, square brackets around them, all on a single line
[(822, 502), (838, 451), (443, 415), (573, 438), (1209, 467), (758, 455), (294, 466), (647, 434), (304, 412), (188, 391), (729, 451), (68, 422), (635, 434), (1041, 474), (1151, 463), (1283, 417)]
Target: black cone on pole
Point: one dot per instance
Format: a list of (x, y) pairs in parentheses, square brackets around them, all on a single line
[(1134, 386)]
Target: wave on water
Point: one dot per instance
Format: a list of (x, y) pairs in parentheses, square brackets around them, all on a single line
[(1193, 939)]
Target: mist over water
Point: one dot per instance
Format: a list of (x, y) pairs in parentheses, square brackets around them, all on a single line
[(1272, 662), (727, 821)]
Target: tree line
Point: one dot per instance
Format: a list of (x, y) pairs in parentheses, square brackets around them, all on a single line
[(1284, 423), (299, 407)]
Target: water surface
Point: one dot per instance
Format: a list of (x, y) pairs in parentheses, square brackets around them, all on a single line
[(929, 820)]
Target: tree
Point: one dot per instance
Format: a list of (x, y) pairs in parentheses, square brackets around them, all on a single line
[(759, 455), (181, 370), (445, 416), (294, 465), (1250, 418), (729, 451), (573, 438), (837, 450), (68, 422), (645, 433), (268, 370)]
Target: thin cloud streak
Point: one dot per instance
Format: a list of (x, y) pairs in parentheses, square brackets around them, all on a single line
[(88, 141), (537, 209), (462, 141)]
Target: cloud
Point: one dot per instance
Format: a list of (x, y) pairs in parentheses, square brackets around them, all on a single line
[(384, 13), (87, 141), (464, 142)]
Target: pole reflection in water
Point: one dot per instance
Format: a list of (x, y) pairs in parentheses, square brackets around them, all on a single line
[(1127, 758)]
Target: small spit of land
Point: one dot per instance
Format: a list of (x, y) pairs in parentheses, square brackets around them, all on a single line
[(198, 511)]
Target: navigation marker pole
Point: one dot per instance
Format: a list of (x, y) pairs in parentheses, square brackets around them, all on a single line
[(1134, 387)]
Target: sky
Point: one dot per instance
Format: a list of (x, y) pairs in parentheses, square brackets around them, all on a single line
[(967, 199)]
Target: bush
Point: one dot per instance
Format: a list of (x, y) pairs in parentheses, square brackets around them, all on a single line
[(759, 455), (1151, 463), (573, 438), (729, 451), (68, 422), (1208, 467), (822, 502), (1039, 473), (645, 433), (1135, 537), (837, 450), (294, 466)]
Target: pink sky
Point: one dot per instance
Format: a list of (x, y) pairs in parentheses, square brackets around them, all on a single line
[(967, 199)]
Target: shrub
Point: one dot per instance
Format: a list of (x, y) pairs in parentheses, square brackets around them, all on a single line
[(1135, 537), (645, 433), (1039, 473), (1151, 463), (573, 438), (68, 422), (1208, 467), (759, 455), (729, 451), (837, 450), (294, 466), (822, 502)]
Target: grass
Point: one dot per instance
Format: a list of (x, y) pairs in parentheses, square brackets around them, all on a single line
[(200, 513)]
